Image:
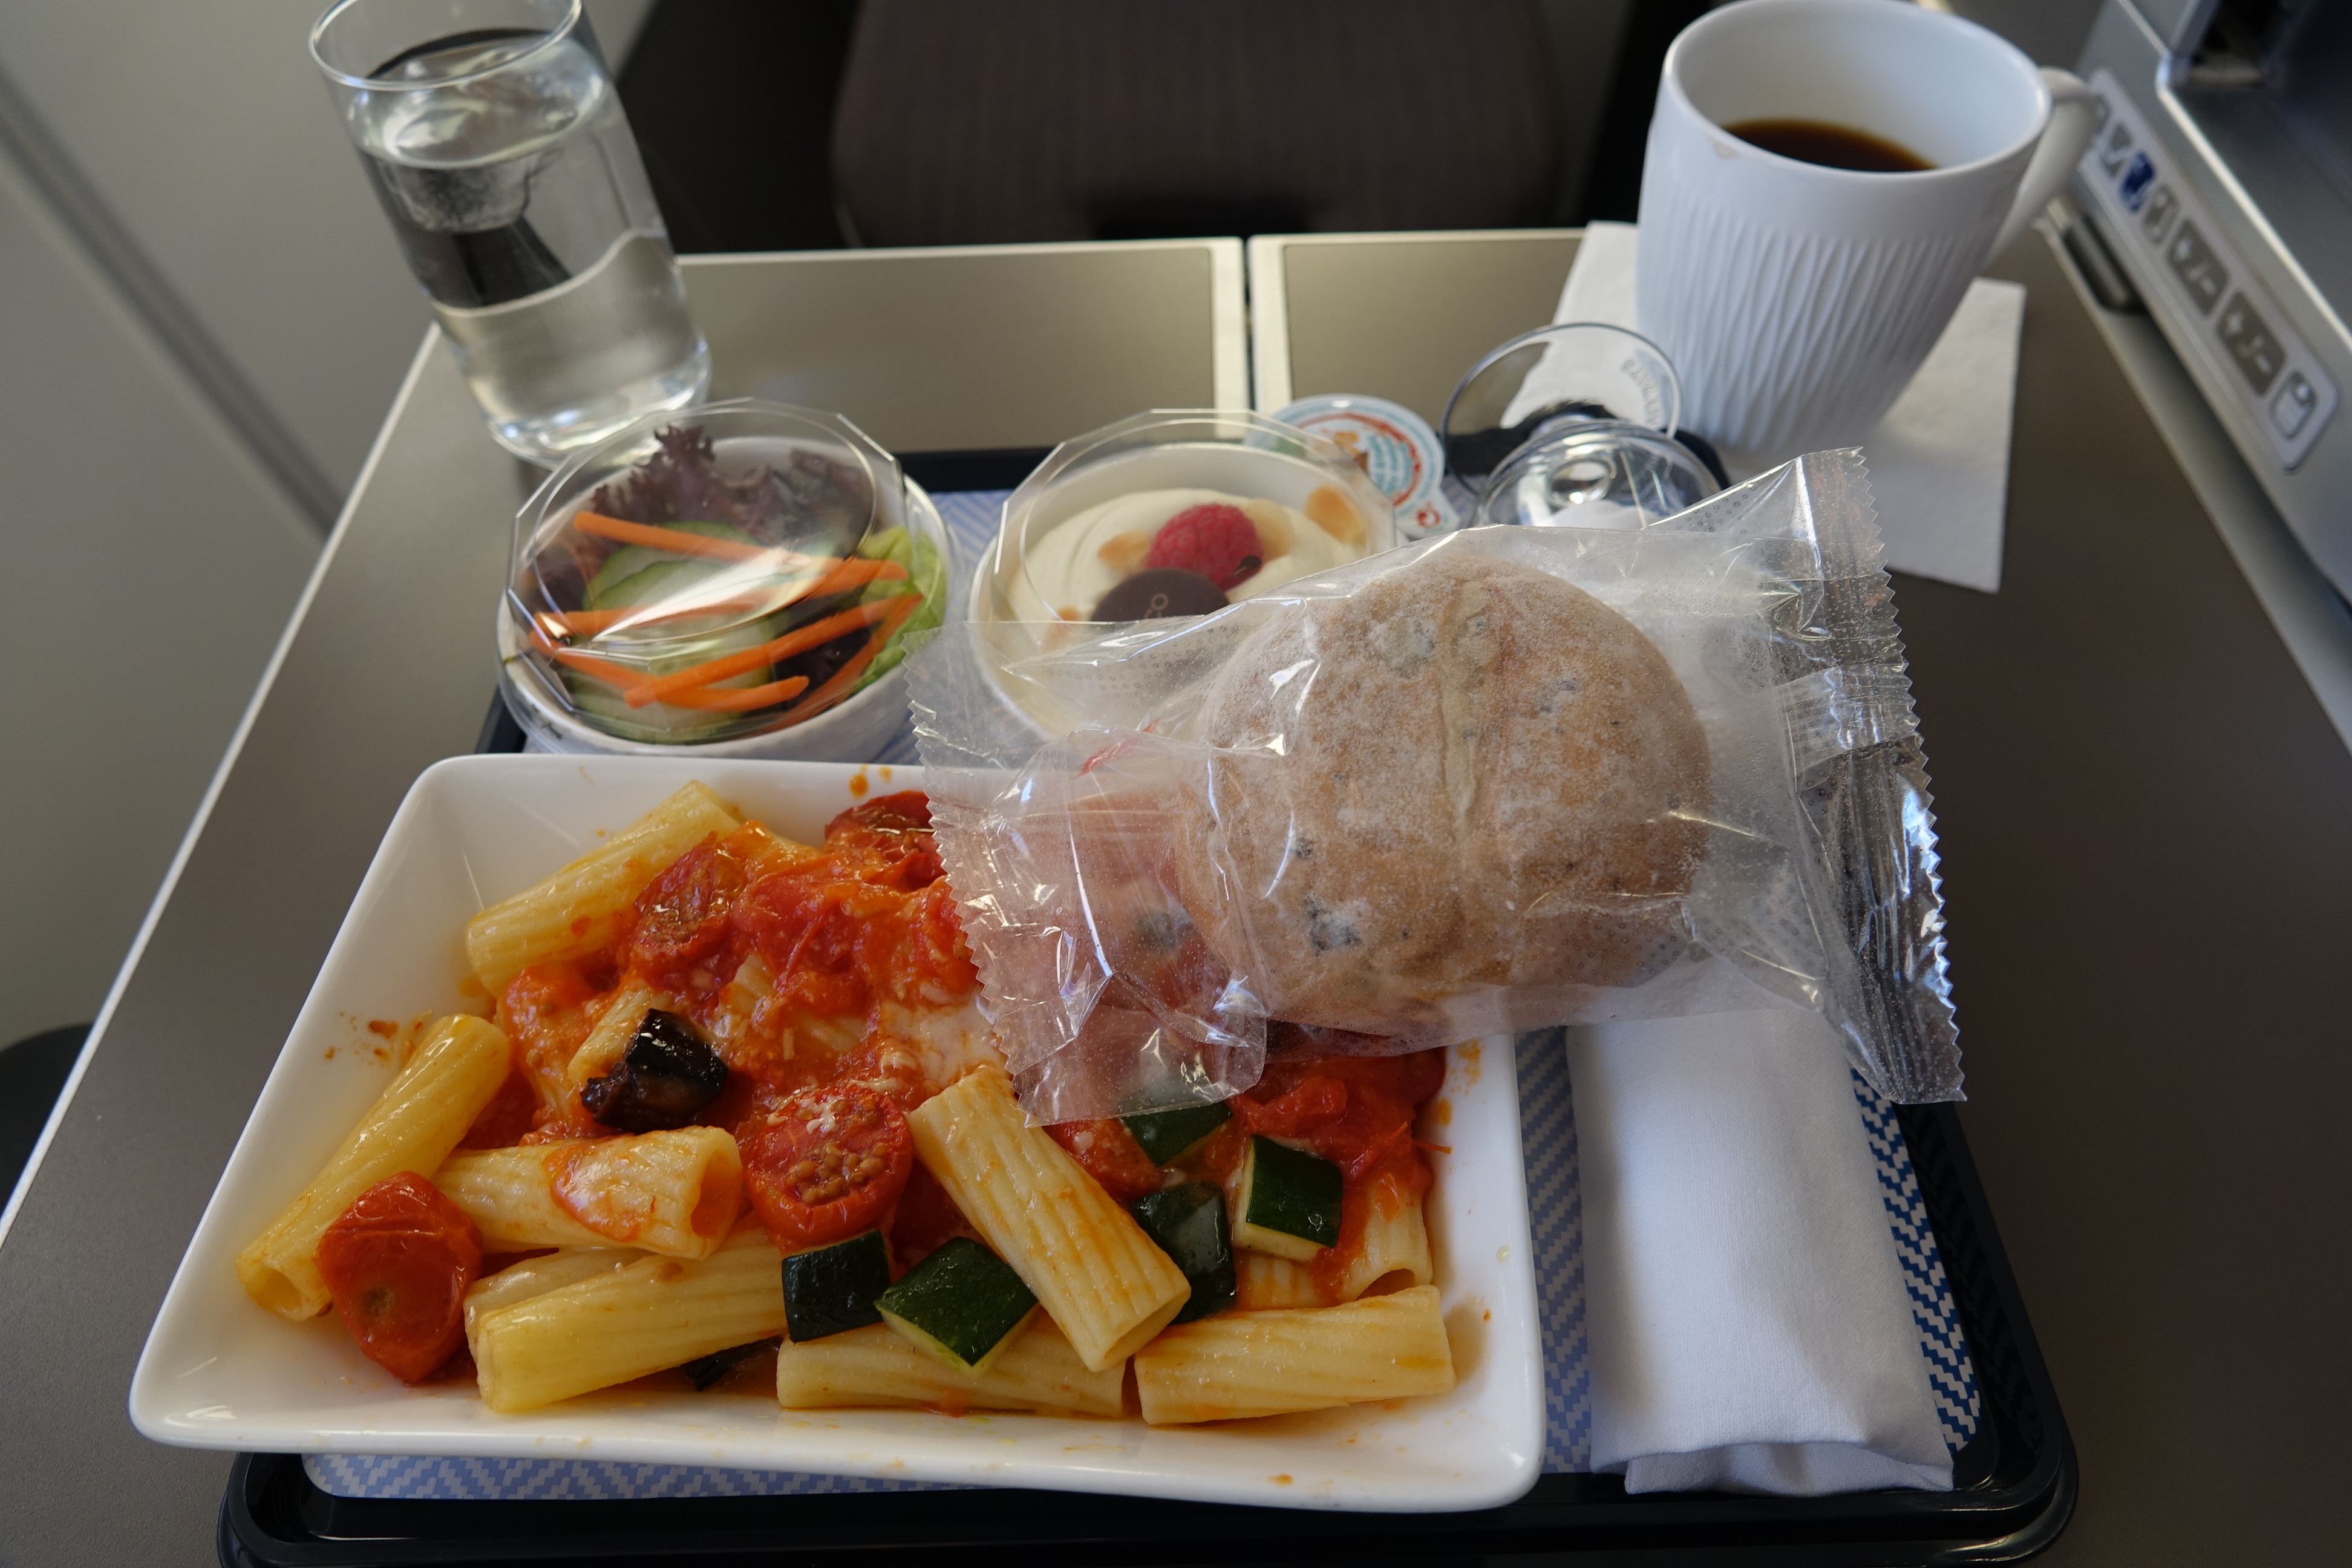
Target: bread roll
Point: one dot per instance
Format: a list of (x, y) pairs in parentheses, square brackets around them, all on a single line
[(1468, 773)]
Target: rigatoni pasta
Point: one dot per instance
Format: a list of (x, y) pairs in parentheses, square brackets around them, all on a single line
[(538, 1276), (584, 906), (420, 1116), (873, 1365), (1092, 1267), (620, 1324), (675, 1193), (1394, 1241), (1272, 1364)]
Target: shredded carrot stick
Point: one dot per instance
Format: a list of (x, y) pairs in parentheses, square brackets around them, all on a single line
[(590, 623), (677, 541), (815, 634), (744, 701), (854, 572), (603, 669), (626, 680), (835, 690)]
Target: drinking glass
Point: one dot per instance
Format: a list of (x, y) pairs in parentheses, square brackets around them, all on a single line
[(1575, 425), (494, 137)]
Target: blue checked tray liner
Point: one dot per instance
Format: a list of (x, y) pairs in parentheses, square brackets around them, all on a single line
[(1555, 1214)]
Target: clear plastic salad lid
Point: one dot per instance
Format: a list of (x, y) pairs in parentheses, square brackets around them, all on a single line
[(717, 572), (1576, 425)]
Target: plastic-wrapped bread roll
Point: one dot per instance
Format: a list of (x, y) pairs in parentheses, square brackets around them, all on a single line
[(1512, 792), (1089, 1264)]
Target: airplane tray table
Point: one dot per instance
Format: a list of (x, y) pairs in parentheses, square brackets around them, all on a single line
[(2013, 1471), (2160, 1219)]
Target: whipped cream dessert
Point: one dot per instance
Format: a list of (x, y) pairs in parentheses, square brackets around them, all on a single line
[(1241, 545)]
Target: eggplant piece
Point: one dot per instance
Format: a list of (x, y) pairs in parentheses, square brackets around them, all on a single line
[(704, 1371), (664, 1081)]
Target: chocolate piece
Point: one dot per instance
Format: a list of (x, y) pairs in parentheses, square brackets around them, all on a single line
[(1162, 591)]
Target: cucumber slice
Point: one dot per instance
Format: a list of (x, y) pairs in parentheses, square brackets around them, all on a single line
[(831, 1290), (657, 580), (650, 576), (1289, 1202), (1167, 1136), (656, 722), (962, 1305), (1188, 1224), (631, 559)]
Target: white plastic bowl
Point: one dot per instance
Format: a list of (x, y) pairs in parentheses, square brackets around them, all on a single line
[(854, 731)]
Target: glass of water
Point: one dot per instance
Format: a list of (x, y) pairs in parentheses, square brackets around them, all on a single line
[(493, 136)]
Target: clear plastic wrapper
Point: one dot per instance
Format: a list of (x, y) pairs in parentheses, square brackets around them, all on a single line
[(1436, 793)]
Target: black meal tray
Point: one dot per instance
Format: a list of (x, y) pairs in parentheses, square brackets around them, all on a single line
[(2014, 1486)]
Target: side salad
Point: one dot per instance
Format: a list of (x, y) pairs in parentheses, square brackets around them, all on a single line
[(680, 605)]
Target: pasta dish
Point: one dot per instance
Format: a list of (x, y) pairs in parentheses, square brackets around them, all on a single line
[(735, 1118)]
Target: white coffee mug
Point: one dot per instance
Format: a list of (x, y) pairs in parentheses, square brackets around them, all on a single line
[(1798, 299)]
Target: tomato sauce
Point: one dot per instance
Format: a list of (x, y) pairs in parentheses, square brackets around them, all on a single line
[(842, 932)]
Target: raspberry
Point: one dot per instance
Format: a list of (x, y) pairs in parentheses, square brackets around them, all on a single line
[(1217, 540)]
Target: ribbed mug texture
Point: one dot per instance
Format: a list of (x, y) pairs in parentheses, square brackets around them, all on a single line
[(1788, 341)]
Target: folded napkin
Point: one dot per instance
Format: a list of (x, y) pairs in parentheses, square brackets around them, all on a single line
[(1746, 1318), (1938, 461)]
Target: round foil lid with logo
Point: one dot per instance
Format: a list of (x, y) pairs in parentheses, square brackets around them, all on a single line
[(1395, 448)]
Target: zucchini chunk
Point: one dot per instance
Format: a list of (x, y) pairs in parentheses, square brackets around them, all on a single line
[(1289, 1202), (1188, 1224), (962, 1304), (1167, 1136), (830, 1289)]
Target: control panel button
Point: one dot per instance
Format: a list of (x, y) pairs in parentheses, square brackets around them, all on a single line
[(2163, 206), (2134, 190), (2248, 338), (2116, 151), (2194, 263), (2290, 408)]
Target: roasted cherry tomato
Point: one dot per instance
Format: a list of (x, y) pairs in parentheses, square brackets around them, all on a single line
[(896, 829), (828, 1163), (682, 913), (1108, 1154), (511, 1113), (397, 1262), (926, 1219), (1314, 1103)]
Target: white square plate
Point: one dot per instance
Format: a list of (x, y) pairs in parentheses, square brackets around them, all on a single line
[(220, 1372)]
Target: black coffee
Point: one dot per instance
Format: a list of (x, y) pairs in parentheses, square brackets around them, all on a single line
[(1830, 145)]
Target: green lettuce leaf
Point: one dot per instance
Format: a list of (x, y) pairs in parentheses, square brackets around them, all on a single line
[(926, 570)]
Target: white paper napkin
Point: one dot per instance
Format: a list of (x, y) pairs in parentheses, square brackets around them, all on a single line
[(1938, 461), (1746, 1313)]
